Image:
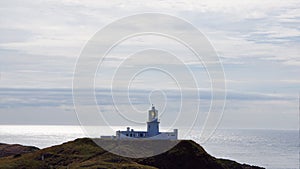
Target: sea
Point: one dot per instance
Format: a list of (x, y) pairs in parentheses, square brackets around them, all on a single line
[(272, 149)]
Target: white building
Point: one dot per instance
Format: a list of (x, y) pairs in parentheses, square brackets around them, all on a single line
[(151, 133)]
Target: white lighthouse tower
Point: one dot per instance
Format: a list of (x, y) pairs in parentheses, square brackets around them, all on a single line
[(153, 123)]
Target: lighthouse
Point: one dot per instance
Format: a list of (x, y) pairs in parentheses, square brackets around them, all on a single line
[(153, 123)]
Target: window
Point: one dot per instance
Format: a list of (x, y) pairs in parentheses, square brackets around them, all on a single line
[(141, 134), (130, 135), (127, 135)]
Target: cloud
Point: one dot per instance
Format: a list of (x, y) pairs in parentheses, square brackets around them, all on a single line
[(258, 44), (55, 106), (63, 97), (236, 28)]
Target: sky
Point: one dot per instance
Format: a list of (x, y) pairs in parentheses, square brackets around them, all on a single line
[(257, 43)]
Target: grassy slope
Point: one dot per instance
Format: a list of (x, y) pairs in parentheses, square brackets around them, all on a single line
[(84, 153)]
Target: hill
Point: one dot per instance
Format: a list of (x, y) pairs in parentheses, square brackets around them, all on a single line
[(15, 149), (84, 153)]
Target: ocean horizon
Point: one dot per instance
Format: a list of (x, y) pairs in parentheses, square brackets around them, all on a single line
[(272, 149)]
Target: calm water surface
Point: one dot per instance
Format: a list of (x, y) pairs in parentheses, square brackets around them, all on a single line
[(274, 149)]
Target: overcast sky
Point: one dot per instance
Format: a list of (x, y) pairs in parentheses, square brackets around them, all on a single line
[(257, 42)]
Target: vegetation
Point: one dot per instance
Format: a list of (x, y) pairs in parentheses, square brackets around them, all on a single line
[(84, 153)]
